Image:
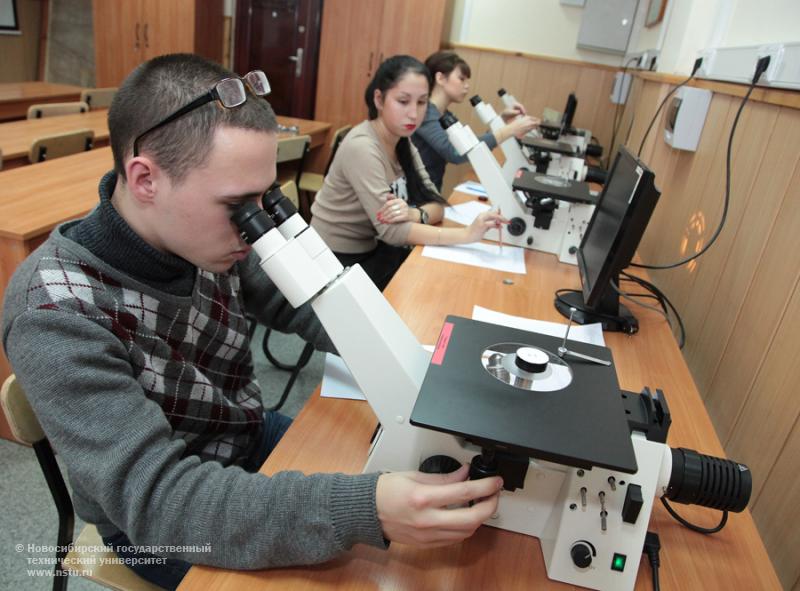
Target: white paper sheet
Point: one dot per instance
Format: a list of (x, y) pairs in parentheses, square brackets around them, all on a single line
[(465, 213), (587, 333), (472, 188), (479, 254)]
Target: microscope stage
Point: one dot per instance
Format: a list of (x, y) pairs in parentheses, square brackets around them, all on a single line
[(540, 185), (508, 389), (555, 146)]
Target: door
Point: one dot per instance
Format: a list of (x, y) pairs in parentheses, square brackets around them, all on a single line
[(411, 27), (119, 39), (281, 37), (167, 27), (348, 58)]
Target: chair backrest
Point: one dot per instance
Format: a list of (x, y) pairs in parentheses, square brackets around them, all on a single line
[(293, 148), (24, 425), (289, 189), (98, 98), (52, 109), (338, 136), (61, 144)]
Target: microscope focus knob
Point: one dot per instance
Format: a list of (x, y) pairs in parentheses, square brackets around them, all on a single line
[(531, 359), (581, 553)]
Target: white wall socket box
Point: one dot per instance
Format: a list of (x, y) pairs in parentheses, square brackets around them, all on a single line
[(622, 84), (685, 117), (738, 64)]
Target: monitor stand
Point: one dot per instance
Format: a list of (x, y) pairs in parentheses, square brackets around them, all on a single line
[(620, 320)]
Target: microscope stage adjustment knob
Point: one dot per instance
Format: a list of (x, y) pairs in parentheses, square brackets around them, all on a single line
[(531, 359), (582, 553)]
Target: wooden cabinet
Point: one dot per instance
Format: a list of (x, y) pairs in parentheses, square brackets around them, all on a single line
[(356, 36), (129, 32)]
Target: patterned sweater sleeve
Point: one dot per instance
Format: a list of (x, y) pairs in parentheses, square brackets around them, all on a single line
[(126, 467)]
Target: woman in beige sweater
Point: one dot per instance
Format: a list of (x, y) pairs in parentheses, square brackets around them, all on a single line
[(377, 197)]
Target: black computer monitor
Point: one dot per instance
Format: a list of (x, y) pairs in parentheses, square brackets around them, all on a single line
[(609, 243), (569, 113)]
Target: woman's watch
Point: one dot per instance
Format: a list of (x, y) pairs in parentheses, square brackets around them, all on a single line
[(423, 216)]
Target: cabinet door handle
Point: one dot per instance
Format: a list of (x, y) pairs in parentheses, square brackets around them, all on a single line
[(146, 40), (136, 44), (369, 67)]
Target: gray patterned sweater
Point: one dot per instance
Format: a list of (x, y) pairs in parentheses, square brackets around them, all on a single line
[(143, 381)]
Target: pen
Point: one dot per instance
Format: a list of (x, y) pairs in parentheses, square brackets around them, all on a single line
[(500, 232)]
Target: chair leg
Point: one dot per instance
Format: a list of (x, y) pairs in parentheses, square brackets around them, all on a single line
[(279, 364), (305, 357), (66, 513)]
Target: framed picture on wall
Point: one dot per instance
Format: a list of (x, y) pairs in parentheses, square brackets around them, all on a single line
[(9, 20), (655, 12)]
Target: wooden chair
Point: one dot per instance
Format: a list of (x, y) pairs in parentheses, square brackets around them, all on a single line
[(98, 98), (53, 109), (311, 182), (89, 557), (60, 144), (293, 149)]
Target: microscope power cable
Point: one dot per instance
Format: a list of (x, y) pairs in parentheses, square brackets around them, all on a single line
[(763, 63), (617, 123)]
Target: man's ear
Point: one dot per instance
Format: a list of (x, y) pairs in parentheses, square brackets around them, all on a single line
[(142, 175)]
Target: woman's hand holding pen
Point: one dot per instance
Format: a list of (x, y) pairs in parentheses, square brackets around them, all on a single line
[(395, 211), (486, 221)]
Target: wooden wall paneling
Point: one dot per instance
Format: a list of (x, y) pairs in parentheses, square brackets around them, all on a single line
[(604, 116), (589, 90), (514, 79), (705, 177), (565, 81), (412, 27), (760, 307), (778, 512), (706, 278), (738, 250), (485, 85), (540, 79), (771, 410)]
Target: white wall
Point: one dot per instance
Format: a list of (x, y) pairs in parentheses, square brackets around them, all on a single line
[(540, 27), (753, 22)]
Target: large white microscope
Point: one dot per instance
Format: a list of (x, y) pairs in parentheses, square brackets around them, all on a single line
[(545, 414), (547, 213)]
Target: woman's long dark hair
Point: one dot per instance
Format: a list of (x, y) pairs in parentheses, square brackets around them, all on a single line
[(387, 76)]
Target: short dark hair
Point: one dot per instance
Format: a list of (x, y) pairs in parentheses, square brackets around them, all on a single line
[(445, 62), (161, 86)]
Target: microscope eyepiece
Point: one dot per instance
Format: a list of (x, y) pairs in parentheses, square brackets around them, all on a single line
[(501, 92), (447, 120), (712, 482), (277, 205), (475, 100), (252, 222)]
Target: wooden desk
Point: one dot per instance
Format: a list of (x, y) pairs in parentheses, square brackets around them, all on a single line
[(16, 97), (333, 435), (35, 199), (16, 137)]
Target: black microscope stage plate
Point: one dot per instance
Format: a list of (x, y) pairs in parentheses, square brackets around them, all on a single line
[(538, 184), (546, 145), (581, 425)]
